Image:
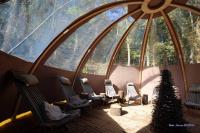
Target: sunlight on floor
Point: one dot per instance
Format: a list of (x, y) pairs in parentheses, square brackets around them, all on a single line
[(133, 118)]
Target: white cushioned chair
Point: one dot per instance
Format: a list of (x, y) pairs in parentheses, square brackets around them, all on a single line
[(132, 93)]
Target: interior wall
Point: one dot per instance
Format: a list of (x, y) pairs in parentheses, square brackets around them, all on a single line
[(121, 75), (193, 73), (151, 78), (8, 91), (49, 84), (178, 79), (96, 82)]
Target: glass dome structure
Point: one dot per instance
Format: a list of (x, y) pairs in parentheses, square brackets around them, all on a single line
[(104, 38)]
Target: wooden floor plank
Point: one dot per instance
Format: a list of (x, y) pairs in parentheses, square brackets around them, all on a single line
[(135, 120)]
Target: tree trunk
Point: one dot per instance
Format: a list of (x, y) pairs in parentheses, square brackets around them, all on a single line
[(128, 42), (191, 41), (148, 58), (129, 52)]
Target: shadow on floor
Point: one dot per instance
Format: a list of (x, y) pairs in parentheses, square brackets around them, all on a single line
[(145, 129), (95, 121)]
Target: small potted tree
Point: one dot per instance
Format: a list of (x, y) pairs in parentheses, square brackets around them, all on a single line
[(167, 115)]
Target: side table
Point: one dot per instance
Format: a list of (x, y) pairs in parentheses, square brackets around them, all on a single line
[(121, 96)]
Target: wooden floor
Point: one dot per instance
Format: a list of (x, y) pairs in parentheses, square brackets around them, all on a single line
[(135, 119)]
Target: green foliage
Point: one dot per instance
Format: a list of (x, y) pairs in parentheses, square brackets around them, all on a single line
[(160, 47), (134, 40), (165, 51), (187, 26)]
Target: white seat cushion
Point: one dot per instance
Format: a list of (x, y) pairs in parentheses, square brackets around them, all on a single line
[(53, 112)]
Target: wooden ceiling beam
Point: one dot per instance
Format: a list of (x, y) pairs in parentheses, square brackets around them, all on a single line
[(143, 49), (186, 7), (94, 44), (178, 48)]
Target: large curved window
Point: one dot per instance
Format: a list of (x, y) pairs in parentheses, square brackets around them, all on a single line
[(195, 3), (98, 62), (129, 54), (27, 27), (187, 26), (160, 49), (67, 56)]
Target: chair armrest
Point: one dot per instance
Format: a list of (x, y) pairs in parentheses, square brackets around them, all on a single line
[(64, 105), (60, 103), (103, 95)]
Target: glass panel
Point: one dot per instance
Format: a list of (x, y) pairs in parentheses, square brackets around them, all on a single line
[(99, 60), (195, 3), (187, 26), (68, 54), (160, 49), (27, 27), (129, 55)]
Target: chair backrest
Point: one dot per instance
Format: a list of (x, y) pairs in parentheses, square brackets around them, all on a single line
[(86, 86), (27, 85), (108, 82), (195, 87), (193, 96), (109, 89), (65, 85), (155, 94), (131, 90)]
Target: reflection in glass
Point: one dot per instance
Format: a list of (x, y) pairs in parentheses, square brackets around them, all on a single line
[(28, 26)]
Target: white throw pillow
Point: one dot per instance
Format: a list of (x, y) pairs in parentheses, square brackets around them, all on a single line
[(53, 112)]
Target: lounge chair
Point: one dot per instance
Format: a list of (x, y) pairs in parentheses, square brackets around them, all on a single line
[(193, 97), (109, 89), (89, 91), (70, 95), (154, 96), (132, 93), (27, 86)]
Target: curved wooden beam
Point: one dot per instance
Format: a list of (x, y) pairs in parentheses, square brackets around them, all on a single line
[(73, 26), (186, 7), (178, 48), (96, 42), (143, 49), (117, 48)]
